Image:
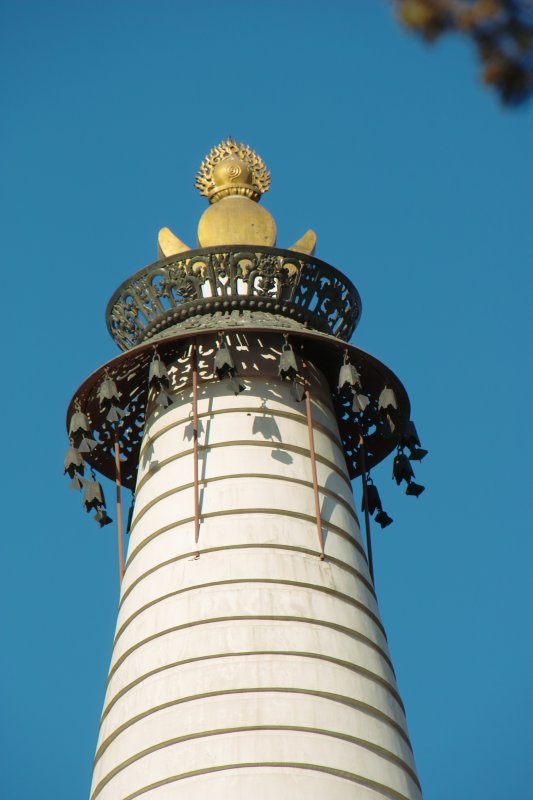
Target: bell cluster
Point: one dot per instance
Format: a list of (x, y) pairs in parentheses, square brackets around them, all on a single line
[(373, 413), (224, 369), (402, 469), (82, 441), (381, 415)]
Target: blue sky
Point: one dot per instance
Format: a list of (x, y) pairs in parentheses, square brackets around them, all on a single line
[(418, 185)]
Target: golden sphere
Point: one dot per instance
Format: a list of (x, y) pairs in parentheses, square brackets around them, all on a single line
[(236, 220)]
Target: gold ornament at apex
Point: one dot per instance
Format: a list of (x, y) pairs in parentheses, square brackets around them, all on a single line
[(232, 168), (233, 178)]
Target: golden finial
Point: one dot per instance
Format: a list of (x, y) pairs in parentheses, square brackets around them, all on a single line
[(235, 175), (232, 168)]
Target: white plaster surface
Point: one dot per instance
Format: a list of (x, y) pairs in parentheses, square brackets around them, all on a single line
[(264, 783), (256, 668)]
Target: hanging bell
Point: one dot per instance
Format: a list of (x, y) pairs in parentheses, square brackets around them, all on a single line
[(93, 496), (223, 362), (288, 368), (158, 378), (360, 403), (402, 469), (115, 414), (374, 500), (101, 517), (79, 424), (79, 430), (77, 483), (387, 406), (225, 368), (158, 373), (383, 519), (414, 489), (348, 376), (410, 435), (410, 439), (86, 445), (109, 398), (387, 399), (417, 453), (73, 463), (108, 393)]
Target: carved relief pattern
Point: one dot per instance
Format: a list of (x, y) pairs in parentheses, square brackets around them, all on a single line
[(204, 179), (214, 279)]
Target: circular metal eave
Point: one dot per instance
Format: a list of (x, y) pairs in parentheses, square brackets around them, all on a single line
[(325, 352)]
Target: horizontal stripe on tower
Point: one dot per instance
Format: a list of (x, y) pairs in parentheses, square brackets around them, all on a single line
[(236, 654), (289, 448), (283, 547), (380, 751), (241, 476), (251, 511), (279, 582), (301, 620), (299, 418), (383, 790)]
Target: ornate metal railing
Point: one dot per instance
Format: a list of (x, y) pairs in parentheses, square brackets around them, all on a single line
[(219, 279)]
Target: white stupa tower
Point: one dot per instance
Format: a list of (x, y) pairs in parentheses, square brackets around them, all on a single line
[(249, 659)]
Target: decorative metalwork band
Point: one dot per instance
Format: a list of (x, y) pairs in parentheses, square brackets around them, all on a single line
[(219, 279), (130, 373)]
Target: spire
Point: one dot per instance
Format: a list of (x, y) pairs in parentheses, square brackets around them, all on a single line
[(238, 414), (233, 177)]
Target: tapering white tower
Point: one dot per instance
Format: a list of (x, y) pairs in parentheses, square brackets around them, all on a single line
[(249, 657)]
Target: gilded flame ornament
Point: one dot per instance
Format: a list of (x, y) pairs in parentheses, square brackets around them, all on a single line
[(232, 168), (232, 177)]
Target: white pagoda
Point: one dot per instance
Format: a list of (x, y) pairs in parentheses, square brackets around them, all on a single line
[(249, 658)]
